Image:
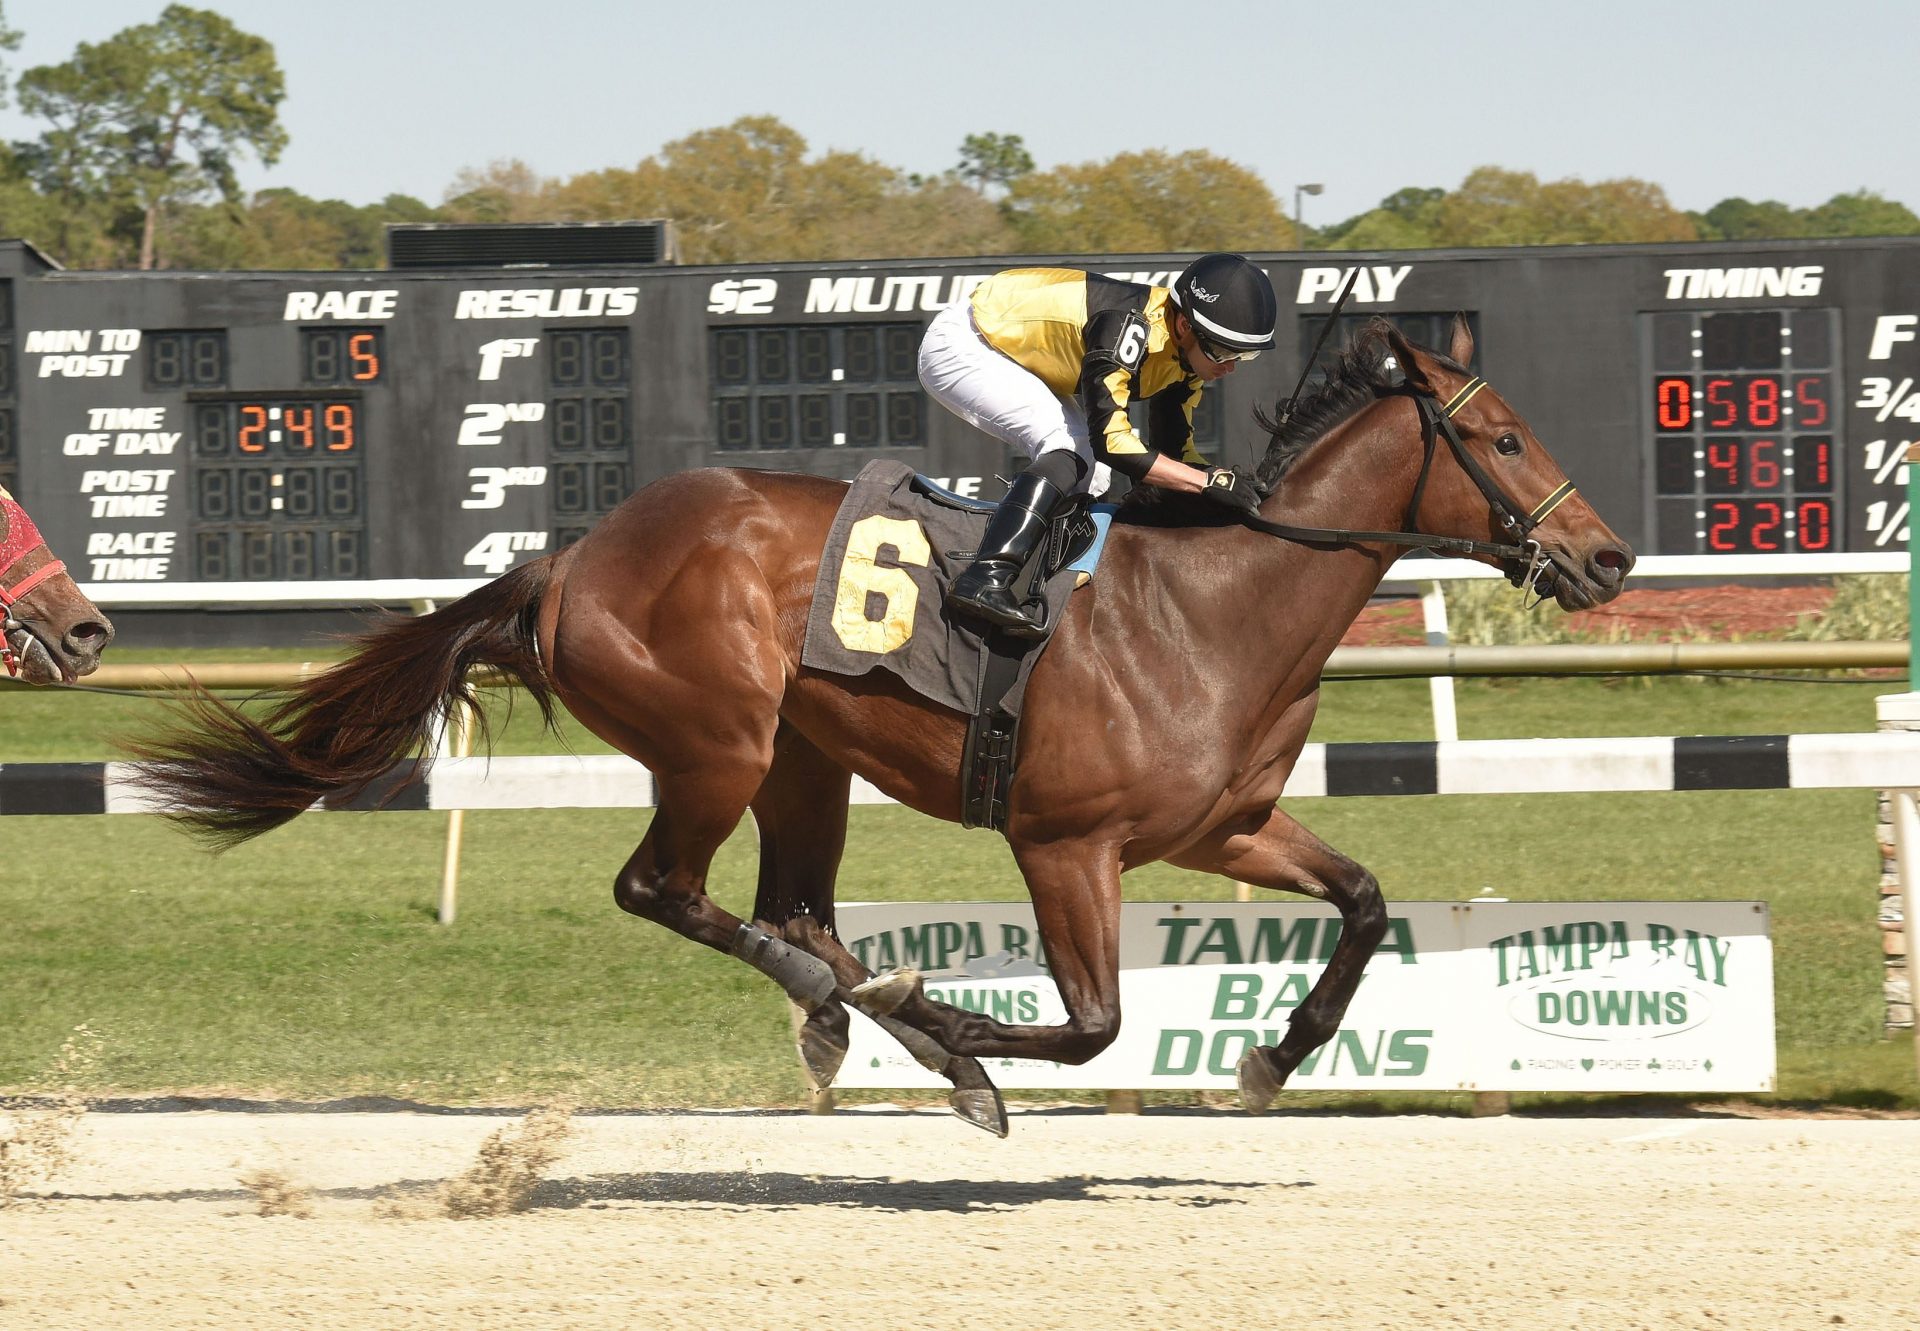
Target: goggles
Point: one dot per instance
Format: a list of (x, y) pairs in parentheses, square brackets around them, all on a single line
[(1218, 353)]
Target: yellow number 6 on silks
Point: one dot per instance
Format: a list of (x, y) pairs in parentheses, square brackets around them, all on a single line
[(862, 577)]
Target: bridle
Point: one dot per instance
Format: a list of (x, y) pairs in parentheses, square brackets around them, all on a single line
[(1522, 557), (21, 540)]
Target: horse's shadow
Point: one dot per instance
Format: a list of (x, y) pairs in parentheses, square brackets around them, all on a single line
[(741, 1189), (777, 1191)]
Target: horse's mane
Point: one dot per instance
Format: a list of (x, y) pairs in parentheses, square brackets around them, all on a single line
[(1358, 376)]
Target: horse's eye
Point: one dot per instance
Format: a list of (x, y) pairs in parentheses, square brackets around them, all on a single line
[(1508, 444)]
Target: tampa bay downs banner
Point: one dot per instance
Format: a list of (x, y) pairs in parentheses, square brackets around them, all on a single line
[(1490, 996)]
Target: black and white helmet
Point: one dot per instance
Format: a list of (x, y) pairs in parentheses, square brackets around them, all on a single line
[(1230, 302)]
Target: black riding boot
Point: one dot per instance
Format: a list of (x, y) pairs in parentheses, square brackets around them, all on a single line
[(985, 589)]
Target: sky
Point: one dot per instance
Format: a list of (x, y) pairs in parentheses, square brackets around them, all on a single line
[(1764, 99)]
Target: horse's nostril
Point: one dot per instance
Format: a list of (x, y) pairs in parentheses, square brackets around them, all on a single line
[(88, 635), (1613, 561)]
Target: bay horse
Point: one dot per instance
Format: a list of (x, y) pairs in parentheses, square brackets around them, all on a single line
[(1160, 724), (49, 630)]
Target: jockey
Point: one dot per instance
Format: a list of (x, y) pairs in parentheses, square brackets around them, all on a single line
[(1048, 359)]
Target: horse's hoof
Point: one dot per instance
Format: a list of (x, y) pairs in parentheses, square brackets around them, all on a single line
[(822, 1049), (1258, 1084), (982, 1108), (886, 992)]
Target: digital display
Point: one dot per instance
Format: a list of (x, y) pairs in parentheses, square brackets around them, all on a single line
[(589, 427), (186, 359), (817, 386), (177, 427), (1744, 430), (283, 428), (337, 357), (277, 489)]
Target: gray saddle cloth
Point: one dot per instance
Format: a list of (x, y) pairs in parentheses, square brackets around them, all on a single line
[(879, 602)]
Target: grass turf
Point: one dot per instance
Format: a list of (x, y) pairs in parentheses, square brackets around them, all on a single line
[(309, 964)]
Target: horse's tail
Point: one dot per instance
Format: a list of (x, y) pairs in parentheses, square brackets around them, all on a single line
[(228, 777)]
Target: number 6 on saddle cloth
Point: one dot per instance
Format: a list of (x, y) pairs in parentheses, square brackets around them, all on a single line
[(896, 543)]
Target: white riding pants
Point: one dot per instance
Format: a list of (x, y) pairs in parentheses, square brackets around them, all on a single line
[(994, 393)]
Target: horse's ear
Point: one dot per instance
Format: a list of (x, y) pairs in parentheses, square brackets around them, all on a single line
[(1461, 348), (1408, 363)]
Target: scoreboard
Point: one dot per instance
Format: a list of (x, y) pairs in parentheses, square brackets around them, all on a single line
[(193, 427)]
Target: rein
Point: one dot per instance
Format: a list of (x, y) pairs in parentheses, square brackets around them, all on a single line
[(21, 540), (1436, 422)]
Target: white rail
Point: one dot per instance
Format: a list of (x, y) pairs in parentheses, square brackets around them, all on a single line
[(1408, 572)]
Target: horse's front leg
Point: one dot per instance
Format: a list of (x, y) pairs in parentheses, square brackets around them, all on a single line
[(1076, 903), (1279, 853)]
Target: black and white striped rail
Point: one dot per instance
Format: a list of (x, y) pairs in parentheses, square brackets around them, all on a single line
[(1885, 760)]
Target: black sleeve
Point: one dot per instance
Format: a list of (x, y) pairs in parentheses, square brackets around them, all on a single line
[(1116, 344), (1170, 422)]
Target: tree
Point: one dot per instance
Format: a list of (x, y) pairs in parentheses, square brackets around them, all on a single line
[(507, 190), (1862, 214), (991, 162), (1404, 220), (1496, 207), (9, 41), (1738, 219), (284, 229), (156, 115), (1147, 202), (748, 192)]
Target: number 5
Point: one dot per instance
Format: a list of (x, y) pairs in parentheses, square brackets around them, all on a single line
[(862, 577)]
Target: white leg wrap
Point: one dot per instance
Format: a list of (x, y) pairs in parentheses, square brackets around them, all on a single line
[(807, 979)]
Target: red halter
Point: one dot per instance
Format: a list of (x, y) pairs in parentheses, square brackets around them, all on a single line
[(21, 540)]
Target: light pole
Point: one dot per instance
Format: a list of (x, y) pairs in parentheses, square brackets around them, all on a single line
[(1299, 227)]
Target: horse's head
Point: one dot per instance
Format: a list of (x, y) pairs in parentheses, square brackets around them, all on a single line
[(50, 631), (1501, 484)]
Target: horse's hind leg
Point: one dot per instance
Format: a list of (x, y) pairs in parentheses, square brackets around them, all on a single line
[(665, 879), (801, 811), (1279, 853)]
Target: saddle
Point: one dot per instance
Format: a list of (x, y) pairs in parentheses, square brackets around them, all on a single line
[(895, 545)]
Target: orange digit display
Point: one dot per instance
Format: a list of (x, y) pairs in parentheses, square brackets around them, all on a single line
[(253, 429), (337, 417), (299, 422), (364, 351)]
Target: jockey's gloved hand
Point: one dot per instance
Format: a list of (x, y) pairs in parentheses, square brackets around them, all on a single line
[(1232, 487)]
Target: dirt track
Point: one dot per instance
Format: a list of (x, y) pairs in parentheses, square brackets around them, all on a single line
[(907, 1221)]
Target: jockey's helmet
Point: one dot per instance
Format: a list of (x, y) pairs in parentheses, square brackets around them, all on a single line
[(1230, 302)]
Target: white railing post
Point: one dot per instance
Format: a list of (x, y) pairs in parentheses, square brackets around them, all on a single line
[(1906, 854), (462, 724), (1433, 610)]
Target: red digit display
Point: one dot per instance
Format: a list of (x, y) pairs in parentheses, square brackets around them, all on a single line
[(1723, 530), (1723, 405), (1673, 404), (1810, 406), (1723, 466), (1816, 524), (1813, 464), (1745, 452)]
